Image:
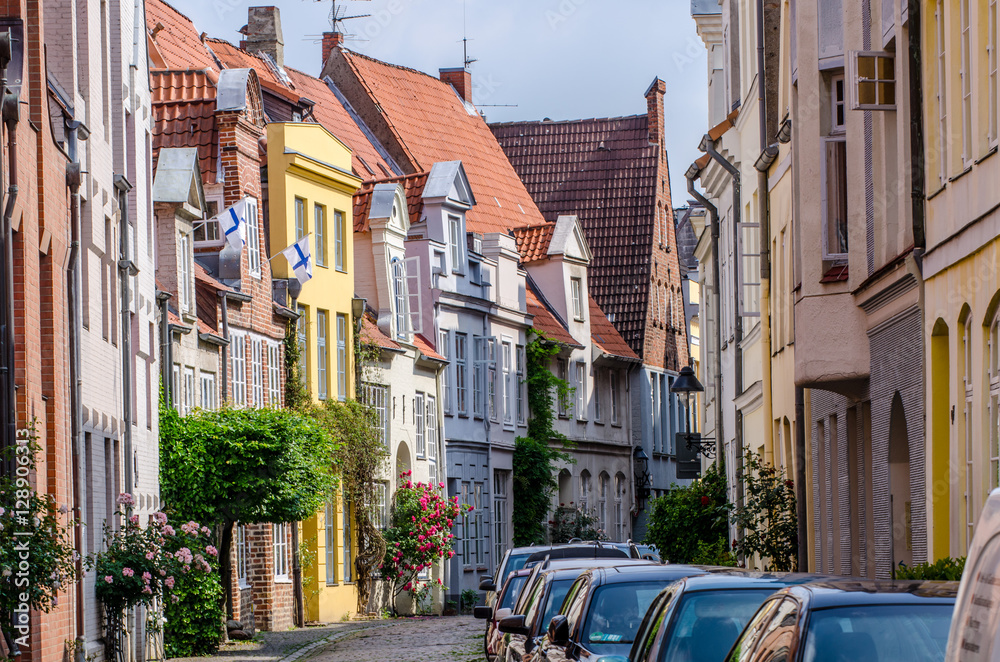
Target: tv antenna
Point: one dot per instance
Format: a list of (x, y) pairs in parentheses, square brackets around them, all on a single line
[(337, 17), (465, 37)]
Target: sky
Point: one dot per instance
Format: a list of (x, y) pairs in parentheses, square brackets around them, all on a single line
[(561, 59)]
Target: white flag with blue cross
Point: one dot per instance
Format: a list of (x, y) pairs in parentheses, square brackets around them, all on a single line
[(233, 223), (299, 258)]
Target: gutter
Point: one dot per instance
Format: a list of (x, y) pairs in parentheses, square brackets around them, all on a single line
[(126, 269)]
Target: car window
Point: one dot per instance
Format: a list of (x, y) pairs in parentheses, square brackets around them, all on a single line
[(878, 633), (708, 623), (651, 625), (529, 587), (778, 640), (516, 562), (525, 606), (557, 594), (573, 605), (744, 646), (616, 611), (510, 592)]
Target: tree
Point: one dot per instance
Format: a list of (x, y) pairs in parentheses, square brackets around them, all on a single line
[(244, 465), (686, 517), (534, 455), (767, 517)]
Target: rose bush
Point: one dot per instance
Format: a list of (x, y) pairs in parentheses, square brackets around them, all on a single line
[(685, 519), (419, 533)]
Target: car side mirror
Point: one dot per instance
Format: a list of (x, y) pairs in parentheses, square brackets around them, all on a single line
[(484, 612), (513, 625), (487, 585), (558, 630)]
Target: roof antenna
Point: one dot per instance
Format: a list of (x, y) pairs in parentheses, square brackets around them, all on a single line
[(337, 18), (465, 37)]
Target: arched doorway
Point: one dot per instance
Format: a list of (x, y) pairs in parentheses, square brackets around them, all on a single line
[(900, 499), (565, 488), (402, 458)]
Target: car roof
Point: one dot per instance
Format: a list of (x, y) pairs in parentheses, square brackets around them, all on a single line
[(639, 572), (720, 579), (586, 562), (577, 551), (849, 593)]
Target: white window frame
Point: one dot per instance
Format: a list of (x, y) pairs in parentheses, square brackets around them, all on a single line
[(253, 238), (586, 487), (825, 174), (274, 374), (749, 272), (175, 387), (280, 545), (399, 297), (189, 389), (942, 93), (965, 79), (576, 297), (300, 218), (603, 486), (491, 379), (615, 387), (478, 379), (508, 396), (620, 529), (418, 424), (562, 372), (377, 397), (242, 556), (209, 226), (501, 513), (522, 387), (455, 237), (348, 540), (342, 357), (184, 258), (319, 231), (382, 505), (257, 370), (444, 349), (992, 91), (322, 355), (330, 541), (580, 379), (838, 101), (968, 422), (238, 365), (339, 242), (209, 399), (598, 384), (993, 349), (461, 373), (431, 425)]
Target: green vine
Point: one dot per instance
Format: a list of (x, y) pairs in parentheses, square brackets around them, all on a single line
[(535, 455), (296, 394)]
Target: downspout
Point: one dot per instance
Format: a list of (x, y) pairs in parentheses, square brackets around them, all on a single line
[(801, 511), (166, 349), (713, 220), (8, 413), (225, 350), (74, 281), (917, 156), (126, 268)]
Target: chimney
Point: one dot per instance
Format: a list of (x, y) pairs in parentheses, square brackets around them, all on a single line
[(654, 110), (331, 40), (263, 32), (461, 79)]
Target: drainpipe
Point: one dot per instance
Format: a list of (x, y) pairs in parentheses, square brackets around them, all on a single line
[(8, 411), (166, 349), (801, 512), (73, 283), (916, 126), (126, 268), (713, 220), (225, 349), (708, 146)]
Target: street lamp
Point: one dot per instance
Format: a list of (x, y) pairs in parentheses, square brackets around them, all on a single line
[(686, 384)]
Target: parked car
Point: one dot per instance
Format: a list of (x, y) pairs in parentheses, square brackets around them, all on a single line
[(604, 608), (578, 551), (976, 625), (851, 621), (513, 560), (699, 618), (649, 552), (501, 608)]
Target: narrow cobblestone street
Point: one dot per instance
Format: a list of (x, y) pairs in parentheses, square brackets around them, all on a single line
[(444, 639)]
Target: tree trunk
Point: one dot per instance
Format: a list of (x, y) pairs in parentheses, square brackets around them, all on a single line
[(226, 565), (300, 612)]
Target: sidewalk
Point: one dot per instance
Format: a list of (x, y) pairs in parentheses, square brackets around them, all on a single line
[(282, 646)]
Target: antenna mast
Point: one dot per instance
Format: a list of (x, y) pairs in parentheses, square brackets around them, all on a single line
[(465, 37), (337, 17)]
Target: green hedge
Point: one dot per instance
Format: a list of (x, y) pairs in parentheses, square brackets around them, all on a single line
[(946, 569)]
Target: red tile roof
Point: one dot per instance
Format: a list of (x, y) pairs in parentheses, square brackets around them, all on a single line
[(606, 336), (370, 333), (237, 58), (178, 42), (426, 348), (606, 172), (201, 274), (413, 185), (174, 320), (545, 320), (433, 125), (204, 327), (533, 242), (184, 115)]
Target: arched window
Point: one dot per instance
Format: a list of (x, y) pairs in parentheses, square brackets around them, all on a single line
[(602, 503), (620, 529), (656, 302), (585, 491), (399, 296), (993, 370), (965, 360)]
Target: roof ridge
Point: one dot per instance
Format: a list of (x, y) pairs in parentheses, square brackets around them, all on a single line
[(178, 12), (572, 121), (394, 66), (219, 40)]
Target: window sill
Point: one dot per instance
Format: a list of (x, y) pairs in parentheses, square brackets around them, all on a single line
[(598, 421), (331, 585), (582, 420), (243, 586), (282, 580), (340, 270), (990, 152), (966, 170), (322, 265)]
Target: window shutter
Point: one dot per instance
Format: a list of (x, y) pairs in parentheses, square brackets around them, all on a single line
[(871, 77)]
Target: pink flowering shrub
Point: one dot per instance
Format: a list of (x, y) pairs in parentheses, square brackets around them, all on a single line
[(419, 534)]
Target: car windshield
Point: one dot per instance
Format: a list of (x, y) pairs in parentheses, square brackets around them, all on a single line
[(616, 611), (516, 562), (708, 623), (556, 596), (878, 633), (511, 591)]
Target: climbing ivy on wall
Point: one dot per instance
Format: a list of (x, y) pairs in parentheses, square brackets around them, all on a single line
[(535, 455)]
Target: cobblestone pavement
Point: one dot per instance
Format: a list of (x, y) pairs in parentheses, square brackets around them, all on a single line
[(275, 646), (430, 639)]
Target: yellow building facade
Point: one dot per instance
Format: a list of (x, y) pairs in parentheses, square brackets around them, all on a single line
[(311, 188), (961, 283)]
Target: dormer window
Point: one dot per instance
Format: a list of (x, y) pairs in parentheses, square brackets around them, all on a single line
[(406, 296), (184, 259), (399, 296), (207, 231), (455, 236), (576, 293)]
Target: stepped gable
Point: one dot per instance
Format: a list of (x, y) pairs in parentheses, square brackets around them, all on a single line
[(433, 124)]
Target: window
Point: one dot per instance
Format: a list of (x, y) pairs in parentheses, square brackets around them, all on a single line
[(585, 491), (301, 327), (838, 105), (522, 388), (621, 530), (338, 241), (994, 413), (377, 397), (602, 503), (615, 398), (562, 367), (330, 531), (965, 76), (446, 379), (342, 357), (418, 423), (749, 247), (873, 80), (576, 294), (319, 213), (242, 554), (491, 377), (382, 506), (462, 525), (208, 394), (942, 94), (175, 386), (478, 516), (184, 257), (238, 361), (274, 374), (965, 324), (430, 420), (399, 296), (257, 371), (991, 70), (300, 218), (461, 374), (454, 245), (500, 514), (508, 409), (208, 229), (253, 238), (598, 385), (478, 361), (581, 391), (321, 356), (348, 557), (835, 200), (189, 390), (280, 533)]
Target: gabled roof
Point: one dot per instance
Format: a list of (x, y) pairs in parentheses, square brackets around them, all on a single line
[(370, 333), (533, 241), (178, 43), (606, 336), (413, 185), (426, 348), (606, 172), (433, 125), (546, 320)]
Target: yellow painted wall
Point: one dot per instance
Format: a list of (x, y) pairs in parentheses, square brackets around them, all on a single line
[(308, 163)]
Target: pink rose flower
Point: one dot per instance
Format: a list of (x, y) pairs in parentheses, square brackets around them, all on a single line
[(109, 578)]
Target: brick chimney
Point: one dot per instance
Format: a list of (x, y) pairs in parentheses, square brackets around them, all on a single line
[(461, 79), (331, 40), (654, 110), (263, 33)]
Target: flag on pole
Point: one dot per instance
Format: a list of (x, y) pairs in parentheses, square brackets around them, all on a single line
[(233, 222), (298, 256)]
